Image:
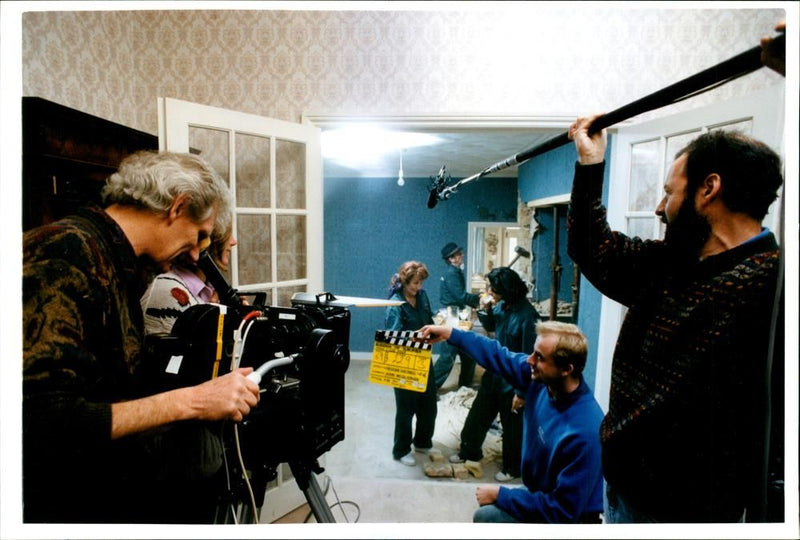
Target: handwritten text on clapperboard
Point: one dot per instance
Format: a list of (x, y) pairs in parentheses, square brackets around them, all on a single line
[(399, 361)]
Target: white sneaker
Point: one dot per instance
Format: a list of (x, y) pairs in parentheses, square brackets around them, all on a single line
[(455, 458), (423, 450), (408, 459), (503, 477)]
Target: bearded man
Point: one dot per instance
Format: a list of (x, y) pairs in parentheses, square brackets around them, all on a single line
[(685, 427)]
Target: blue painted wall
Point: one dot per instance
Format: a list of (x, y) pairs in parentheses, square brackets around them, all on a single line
[(544, 176), (372, 226)]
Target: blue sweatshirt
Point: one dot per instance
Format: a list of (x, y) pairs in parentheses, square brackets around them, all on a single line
[(561, 466)]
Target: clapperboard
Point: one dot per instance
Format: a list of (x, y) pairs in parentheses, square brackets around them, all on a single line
[(399, 361)]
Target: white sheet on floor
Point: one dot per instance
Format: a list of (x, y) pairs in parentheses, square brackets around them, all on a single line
[(452, 413)]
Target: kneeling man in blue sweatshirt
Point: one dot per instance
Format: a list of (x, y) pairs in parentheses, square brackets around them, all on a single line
[(561, 466)]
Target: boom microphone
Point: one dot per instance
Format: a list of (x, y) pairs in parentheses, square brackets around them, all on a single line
[(433, 197), (708, 79), (437, 187)]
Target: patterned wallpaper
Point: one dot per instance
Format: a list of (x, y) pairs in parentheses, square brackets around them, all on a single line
[(518, 58)]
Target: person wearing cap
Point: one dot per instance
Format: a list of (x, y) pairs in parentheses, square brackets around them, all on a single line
[(453, 292)]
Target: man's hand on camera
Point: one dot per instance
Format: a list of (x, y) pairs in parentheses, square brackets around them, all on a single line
[(229, 397)]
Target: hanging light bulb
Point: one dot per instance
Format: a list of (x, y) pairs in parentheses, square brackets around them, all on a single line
[(400, 180)]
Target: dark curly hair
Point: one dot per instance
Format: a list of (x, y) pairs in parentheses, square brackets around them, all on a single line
[(507, 283), (751, 171)]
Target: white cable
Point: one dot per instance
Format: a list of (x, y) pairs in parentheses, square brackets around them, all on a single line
[(239, 343), (244, 473), (266, 367)]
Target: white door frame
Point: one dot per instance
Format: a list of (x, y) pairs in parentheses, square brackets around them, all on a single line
[(174, 119), (178, 141)]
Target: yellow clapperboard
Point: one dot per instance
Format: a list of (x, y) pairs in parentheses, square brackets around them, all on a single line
[(399, 361)]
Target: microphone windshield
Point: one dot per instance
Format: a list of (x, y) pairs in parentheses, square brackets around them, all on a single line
[(433, 198)]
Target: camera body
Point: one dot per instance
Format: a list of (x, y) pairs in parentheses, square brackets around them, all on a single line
[(301, 412)]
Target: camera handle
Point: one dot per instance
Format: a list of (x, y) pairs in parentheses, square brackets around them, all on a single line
[(266, 367), (304, 473)]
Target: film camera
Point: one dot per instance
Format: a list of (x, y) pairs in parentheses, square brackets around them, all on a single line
[(300, 354)]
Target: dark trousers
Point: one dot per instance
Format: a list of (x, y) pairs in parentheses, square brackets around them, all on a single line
[(410, 403), (444, 365), (490, 400)]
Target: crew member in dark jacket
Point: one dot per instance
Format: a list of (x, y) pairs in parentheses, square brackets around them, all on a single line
[(453, 292), (513, 320)]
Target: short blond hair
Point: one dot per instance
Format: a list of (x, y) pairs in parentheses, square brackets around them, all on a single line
[(571, 347)]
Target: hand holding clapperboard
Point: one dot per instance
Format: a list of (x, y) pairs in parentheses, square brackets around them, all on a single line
[(400, 361)]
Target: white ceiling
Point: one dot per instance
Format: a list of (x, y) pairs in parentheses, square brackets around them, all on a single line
[(463, 152)]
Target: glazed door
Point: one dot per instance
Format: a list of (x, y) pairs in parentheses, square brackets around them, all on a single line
[(641, 156), (274, 172)]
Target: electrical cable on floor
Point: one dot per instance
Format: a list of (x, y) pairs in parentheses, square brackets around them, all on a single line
[(341, 504)]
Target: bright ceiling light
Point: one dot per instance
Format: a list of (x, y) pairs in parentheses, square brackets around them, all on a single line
[(362, 145), (400, 180)]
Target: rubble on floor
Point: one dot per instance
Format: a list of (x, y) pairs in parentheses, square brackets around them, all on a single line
[(461, 471)]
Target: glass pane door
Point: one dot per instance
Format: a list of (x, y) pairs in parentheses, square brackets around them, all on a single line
[(273, 169)]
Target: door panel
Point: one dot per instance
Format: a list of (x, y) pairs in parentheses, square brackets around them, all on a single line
[(273, 169)]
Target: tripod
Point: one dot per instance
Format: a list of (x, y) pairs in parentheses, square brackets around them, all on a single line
[(240, 505)]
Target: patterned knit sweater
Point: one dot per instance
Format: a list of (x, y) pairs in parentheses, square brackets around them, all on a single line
[(682, 433), (82, 331)]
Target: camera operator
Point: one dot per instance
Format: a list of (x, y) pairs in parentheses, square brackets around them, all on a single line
[(84, 415)]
